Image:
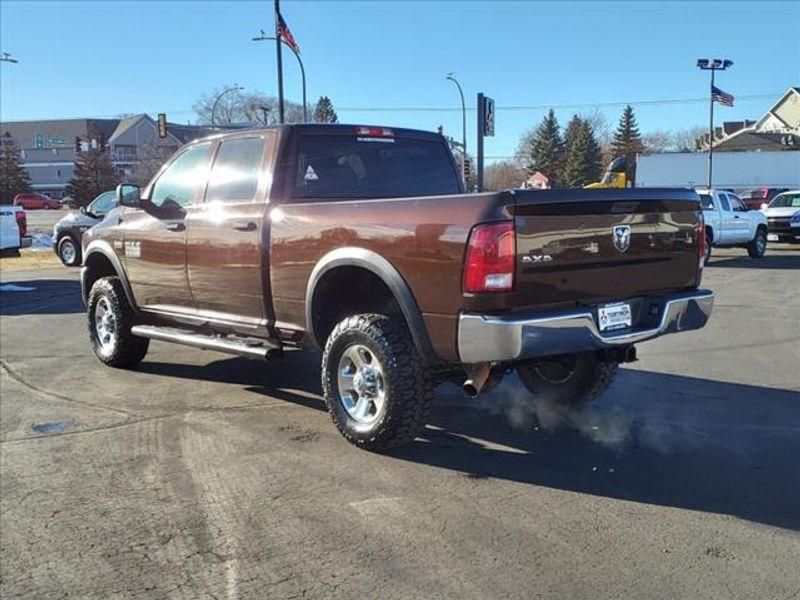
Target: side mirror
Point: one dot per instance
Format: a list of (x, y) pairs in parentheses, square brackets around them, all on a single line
[(764, 206), (128, 194)]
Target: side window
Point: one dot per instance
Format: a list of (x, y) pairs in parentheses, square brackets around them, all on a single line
[(236, 170), (736, 204), (723, 200), (178, 184)]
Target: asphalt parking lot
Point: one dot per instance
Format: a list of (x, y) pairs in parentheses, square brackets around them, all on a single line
[(199, 475)]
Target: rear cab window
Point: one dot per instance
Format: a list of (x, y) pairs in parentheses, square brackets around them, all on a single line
[(356, 167)]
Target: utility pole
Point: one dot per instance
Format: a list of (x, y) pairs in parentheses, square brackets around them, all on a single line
[(713, 65), (280, 61)]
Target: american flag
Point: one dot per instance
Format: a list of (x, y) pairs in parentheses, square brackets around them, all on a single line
[(283, 30), (724, 98)]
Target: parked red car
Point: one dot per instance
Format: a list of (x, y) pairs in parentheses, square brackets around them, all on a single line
[(753, 199), (34, 201)]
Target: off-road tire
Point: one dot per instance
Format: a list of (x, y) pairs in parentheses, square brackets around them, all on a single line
[(409, 388), (590, 378), (76, 260), (758, 245), (127, 349)]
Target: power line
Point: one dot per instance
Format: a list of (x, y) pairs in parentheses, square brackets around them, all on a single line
[(529, 107)]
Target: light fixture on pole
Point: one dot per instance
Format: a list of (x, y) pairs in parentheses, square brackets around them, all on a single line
[(713, 65), (263, 38), (236, 87), (452, 77), (6, 57)]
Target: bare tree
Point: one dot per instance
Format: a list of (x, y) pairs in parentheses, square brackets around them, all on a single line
[(658, 141), (503, 175), (685, 140), (239, 107)]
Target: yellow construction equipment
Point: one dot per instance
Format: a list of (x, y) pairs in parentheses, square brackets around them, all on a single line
[(614, 177)]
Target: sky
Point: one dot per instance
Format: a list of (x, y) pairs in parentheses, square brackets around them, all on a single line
[(103, 59)]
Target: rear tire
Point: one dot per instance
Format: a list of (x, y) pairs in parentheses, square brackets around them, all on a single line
[(758, 245), (707, 255), (69, 251), (570, 379), (377, 388), (110, 318)]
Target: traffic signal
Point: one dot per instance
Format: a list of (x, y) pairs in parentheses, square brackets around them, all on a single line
[(162, 125), (78, 146), (466, 168)]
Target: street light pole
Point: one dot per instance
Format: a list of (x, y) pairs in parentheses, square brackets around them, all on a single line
[(6, 57), (452, 77), (263, 37), (216, 101), (713, 65)]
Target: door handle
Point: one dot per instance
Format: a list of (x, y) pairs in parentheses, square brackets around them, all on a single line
[(244, 225), (736, 217), (176, 226)]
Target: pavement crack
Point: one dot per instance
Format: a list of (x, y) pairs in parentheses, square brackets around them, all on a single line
[(32, 386)]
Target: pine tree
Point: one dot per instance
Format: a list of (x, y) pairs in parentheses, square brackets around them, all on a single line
[(93, 174), (627, 142), (573, 127), (583, 162), (14, 179), (324, 112), (544, 152)]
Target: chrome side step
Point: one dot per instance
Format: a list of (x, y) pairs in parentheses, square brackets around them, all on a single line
[(262, 350)]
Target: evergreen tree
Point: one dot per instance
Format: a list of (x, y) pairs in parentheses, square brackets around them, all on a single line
[(544, 151), (93, 174), (627, 142), (14, 179), (324, 112), (573, 127), (583, 161)]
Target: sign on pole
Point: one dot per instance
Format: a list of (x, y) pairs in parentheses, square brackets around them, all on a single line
[(488, 117), (162, 125)]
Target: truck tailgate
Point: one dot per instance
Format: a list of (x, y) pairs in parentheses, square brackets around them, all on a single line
[(588, 246)]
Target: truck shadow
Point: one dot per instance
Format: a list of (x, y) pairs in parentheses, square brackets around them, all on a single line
[(770, 261), (41, 297), (654, 438)]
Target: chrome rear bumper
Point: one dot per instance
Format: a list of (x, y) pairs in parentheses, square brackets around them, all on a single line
[(488, 338)]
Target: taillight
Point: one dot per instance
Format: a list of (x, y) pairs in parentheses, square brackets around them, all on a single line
[(489, 265), (22, 222), (701, 241), (374, 131)]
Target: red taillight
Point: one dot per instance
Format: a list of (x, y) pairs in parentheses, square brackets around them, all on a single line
[(489, 265), (22, 222), (701, 241)]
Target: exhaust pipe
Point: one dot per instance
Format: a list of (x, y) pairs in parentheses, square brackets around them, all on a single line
[(477, 376)]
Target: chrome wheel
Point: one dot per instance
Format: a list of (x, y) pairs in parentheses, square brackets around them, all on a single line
[(761, 243), (362, 387), (105, 326), (68, 251)]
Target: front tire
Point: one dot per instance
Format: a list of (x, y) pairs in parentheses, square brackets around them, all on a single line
[(570, 379), (69, 251), (758, 245), (110, 318), (377, 388)]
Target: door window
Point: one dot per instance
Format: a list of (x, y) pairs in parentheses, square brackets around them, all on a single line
[(723, 200), (178, 184), (236, 170)]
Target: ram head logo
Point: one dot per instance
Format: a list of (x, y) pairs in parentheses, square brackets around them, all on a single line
[(622, 237)]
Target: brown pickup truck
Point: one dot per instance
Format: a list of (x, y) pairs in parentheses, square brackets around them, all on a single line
[(360, 241)]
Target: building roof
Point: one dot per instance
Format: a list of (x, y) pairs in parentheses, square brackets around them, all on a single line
[(24, 132), (757, 140)]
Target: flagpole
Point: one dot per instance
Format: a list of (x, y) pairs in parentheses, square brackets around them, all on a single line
[(711, 130), (280, 60)]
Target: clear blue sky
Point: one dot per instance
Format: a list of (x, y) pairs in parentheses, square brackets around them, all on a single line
[(106, 58)]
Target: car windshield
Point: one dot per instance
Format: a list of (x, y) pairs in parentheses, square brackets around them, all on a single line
[(366, 167), (786, 201), (706, 202), (103, 203)]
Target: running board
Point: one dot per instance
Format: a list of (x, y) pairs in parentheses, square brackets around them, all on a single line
[(263, 350)]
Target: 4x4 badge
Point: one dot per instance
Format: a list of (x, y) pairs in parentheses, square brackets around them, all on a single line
[(622, 237)]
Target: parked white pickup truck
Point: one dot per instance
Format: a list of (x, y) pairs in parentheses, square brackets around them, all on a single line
[(729, 223), (13, 230)]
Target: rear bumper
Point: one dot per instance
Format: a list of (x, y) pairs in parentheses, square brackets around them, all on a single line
[(488, 338)]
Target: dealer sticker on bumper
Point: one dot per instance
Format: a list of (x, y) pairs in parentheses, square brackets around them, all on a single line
[(614, 316)]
